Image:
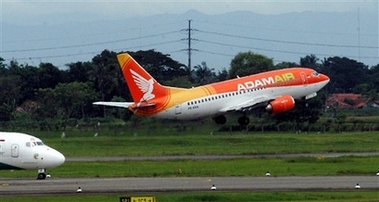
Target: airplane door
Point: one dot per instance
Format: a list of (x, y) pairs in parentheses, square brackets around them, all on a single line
[(304, 78), (178, 109), (14, 150)]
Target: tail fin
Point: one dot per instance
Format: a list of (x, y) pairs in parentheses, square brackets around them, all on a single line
[(141, 84)]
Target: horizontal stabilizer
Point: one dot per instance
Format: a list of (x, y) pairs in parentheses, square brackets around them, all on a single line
[(126, 104), (115, 104)]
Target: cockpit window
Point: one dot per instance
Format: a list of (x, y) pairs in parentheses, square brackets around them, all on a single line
[(315, 74), (34, 143), (39, 143)]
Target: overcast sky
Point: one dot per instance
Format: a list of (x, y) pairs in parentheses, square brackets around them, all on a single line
[(43, 11), (46, 42)]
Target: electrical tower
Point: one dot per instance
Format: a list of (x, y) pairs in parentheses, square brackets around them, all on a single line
[(189, 39)]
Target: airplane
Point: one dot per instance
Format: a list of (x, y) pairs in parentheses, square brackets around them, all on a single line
[(20, 151), (274, 91)]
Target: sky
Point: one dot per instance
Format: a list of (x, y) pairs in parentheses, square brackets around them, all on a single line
[(47, 13), (32, 12)]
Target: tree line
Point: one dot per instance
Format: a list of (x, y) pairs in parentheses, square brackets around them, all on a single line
[(44, 93)]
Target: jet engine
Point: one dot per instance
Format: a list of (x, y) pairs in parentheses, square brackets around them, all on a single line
[(281, 104)]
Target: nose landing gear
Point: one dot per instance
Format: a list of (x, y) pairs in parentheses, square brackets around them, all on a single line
[(41, 174)]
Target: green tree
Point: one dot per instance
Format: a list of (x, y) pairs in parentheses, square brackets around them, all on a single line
[(247, 63), (305, 111), (160, 66), (222, 75), (344, 74), (310, 61), (105, 75), (3, 69), (10, 92), (181, 82), (65, 101), (374, 77), (49, 75), (79, 71), (29, 76), (283, 65), (203, 75)]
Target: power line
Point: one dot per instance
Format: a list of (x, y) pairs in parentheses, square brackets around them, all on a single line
[(283, 30), (190, 49), (93, 52), (88, 44), (87, 35), (271, 50), (288, 42)]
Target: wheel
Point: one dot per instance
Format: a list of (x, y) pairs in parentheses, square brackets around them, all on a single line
[(41, 176), (220, 119), (243, 120)]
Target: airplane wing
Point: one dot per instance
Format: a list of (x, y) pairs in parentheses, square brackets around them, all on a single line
[(248, 105), (115, 104)]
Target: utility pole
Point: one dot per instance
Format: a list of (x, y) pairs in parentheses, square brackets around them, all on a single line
[(189, 44), (189, 41), (359, 34)]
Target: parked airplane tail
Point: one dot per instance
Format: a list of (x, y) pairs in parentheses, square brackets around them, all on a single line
[(143, 87)]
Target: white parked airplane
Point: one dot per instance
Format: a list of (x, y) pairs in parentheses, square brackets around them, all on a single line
[(275, 91), (19, 151)]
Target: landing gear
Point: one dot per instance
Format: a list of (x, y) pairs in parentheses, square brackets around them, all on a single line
[(220, 119), (243, 120), (41, 174)]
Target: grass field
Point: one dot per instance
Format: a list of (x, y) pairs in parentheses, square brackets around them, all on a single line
[(300, 166), (82, 143)]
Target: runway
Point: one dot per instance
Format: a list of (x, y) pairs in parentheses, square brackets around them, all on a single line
[(64, 186)]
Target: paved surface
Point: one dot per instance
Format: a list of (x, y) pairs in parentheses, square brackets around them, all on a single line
[(11, 187)]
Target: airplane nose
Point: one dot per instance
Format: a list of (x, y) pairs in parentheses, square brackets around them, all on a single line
[(55, 158), (323, 77), (59, 158)]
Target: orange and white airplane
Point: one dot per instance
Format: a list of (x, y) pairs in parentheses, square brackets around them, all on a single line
[(275, 91)]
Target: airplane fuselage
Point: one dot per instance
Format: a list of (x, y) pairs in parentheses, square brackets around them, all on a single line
[(215, 99)]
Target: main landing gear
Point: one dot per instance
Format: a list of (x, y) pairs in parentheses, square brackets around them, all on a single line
[(243, 120), (220, 119)]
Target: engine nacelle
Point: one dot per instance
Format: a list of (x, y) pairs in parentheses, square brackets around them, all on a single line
[(281, 104)]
